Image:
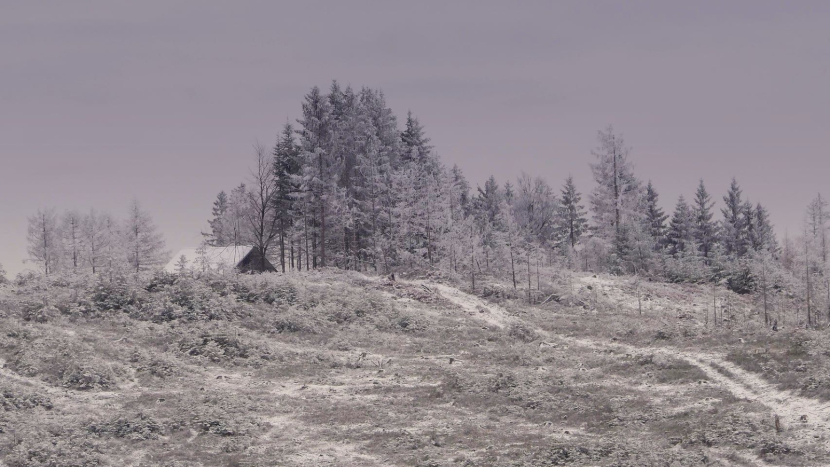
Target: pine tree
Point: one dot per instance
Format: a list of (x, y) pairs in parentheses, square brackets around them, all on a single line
[(655, 217), (415, 144), (217, 237), (318, 165), (286, 168), (373, 169), (509, 192), (818, 218), (705, 229), (488, 200), (734, 221), (680, 233), (748, 234), (460, 202), (571, 219), (181, 265), (763, 239)]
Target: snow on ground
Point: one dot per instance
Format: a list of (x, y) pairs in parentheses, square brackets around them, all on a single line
[(810, 417)]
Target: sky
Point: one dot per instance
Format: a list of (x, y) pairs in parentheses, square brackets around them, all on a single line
[(103, 102)]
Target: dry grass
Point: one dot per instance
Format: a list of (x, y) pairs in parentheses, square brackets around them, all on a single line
[(335, 368)]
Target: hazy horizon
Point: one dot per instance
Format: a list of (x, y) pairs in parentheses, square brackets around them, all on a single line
[(112, 102)]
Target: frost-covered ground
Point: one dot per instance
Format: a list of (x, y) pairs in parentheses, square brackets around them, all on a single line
[(338, 368)]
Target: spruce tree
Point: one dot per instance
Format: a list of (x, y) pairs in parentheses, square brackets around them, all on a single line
[(415, 144), (818, 219), (734, 221), (655, 217), (286, 169), (705, 229), (680, 236), (216, 236), (764, 234), (488, 200), (319, 166), (571, 218), (460, 201)]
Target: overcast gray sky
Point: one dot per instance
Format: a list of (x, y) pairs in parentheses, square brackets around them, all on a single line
[(102, 102)]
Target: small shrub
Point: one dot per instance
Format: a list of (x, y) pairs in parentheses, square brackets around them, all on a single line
[(113, 295), (14, 400), (137, 428), (521, 332), (38, 312), (215, 348), (85, 378)]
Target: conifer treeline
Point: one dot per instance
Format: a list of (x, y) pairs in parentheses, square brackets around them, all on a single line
[(351, 189), (347, 187)]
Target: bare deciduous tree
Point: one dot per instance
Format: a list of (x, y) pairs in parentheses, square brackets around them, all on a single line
[(44, 240), (144, 244), (262, 213)]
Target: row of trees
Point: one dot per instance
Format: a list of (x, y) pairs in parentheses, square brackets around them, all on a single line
[(347, 188), (94, 241)]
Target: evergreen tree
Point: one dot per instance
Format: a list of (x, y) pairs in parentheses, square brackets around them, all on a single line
[(373, 169), (655, 217), (319, 166), (764, 239), (705, 229), (748, 235), (488, 200), (818, 218), (216, 236), (415, 144), (734, 221), (680, 233), (509, 192), (460, 202), (571, 220), (286, 169), (181, 265)]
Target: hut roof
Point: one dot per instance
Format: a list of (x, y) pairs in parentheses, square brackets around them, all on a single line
[(216, 258)]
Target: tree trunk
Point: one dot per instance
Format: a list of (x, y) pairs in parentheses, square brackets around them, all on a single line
[(616, 194)]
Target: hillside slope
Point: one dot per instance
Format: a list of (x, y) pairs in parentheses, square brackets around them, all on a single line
[(338, 368)]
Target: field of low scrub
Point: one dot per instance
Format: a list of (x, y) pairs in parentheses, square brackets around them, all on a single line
[(337, 368)]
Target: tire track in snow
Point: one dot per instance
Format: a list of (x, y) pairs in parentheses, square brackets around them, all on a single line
[(791, 408)]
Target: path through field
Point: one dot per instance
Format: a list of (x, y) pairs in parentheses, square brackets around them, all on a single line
[(809, 417)]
